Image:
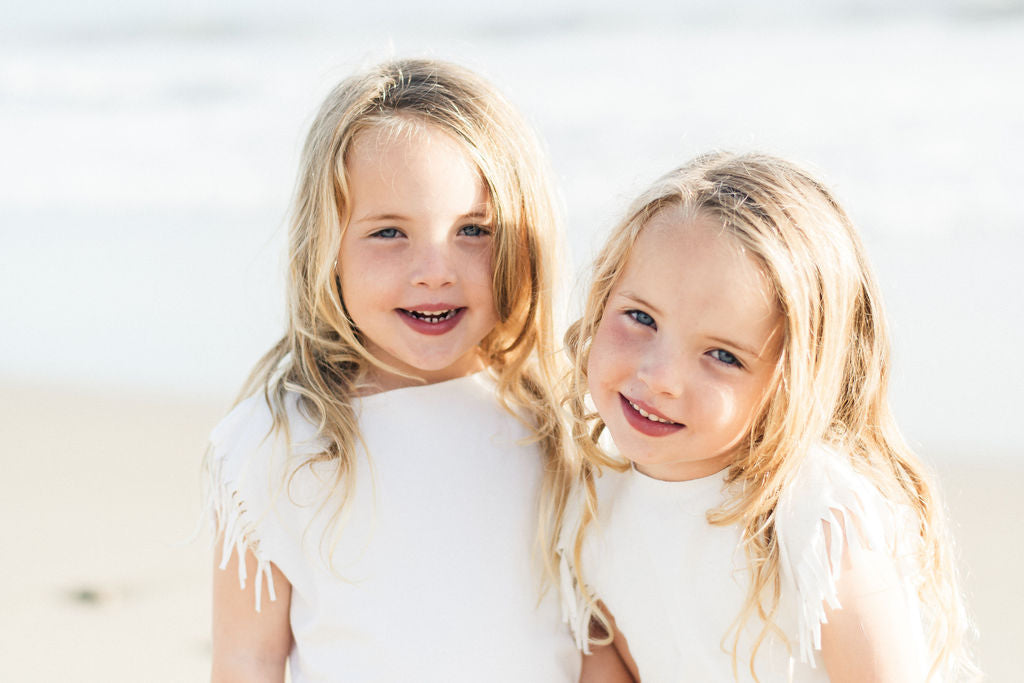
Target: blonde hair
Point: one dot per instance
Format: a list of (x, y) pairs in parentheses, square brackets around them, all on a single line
[(830, 380), (322, 356)]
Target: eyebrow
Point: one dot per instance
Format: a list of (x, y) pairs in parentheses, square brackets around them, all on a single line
[(382, 217), (736, 345), (484, 213), (477, 214), (633, 297)]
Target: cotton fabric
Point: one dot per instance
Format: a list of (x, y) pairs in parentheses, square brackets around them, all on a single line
[(675, 583), (433, 575)]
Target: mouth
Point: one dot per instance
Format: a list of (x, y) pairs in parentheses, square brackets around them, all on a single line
[(432, 317), (650, 416), (647, 421)]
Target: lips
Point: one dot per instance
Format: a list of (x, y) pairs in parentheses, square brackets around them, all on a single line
[(432, 319), (646, 420)]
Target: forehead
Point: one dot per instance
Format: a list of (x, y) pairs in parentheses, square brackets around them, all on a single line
[(412, 162), (679, 239), (697, 262), (390, 138)]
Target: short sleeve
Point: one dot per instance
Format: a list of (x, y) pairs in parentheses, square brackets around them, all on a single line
[(247, 470), (827, 493)]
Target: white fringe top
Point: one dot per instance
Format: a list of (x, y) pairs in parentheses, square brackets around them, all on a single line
[(433, 578), (675, 583)]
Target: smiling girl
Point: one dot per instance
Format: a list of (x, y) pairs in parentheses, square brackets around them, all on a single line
[(379, 480), (765, 520)]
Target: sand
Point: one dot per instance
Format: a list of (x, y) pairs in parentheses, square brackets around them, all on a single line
[(101, 495)]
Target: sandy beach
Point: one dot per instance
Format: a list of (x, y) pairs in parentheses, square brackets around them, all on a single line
[(150, 151), (102, 495)]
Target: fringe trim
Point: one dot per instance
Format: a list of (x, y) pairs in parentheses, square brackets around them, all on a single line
[(231, 523), (857, 515), (576, 608)]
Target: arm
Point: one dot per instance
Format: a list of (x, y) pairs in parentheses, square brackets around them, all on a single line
[(877, 635), (249, 645), (610, 663)]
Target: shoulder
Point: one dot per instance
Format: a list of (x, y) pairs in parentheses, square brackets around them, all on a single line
[(613, 490), (826, 491), (610, 489), (257, 445), (249, 457), (827, 508), (576, 594), (251, 426)]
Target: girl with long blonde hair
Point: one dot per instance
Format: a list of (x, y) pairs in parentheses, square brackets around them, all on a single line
[(378, 482), (758, 515)]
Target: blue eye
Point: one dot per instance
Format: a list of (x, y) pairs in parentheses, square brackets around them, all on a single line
[(474, 231), (642, 318), (386, 233), (723, 356)]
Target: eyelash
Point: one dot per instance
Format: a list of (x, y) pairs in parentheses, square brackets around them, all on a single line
[(392, 233), (481, 230), (636, 315), (734, 362)]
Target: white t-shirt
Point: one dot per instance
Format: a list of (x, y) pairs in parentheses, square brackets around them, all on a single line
[(434, 576), (675, 583)]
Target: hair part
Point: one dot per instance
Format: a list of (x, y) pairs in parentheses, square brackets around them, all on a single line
[(830, 384)]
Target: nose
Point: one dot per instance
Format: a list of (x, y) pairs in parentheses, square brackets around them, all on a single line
[(433, 266), (664, 370)]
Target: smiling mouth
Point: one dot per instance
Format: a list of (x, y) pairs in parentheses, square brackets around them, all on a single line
[(649, 416), (432, 317)]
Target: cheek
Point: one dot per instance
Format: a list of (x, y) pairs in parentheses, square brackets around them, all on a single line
[(760, 397), (722, 403), (610, 355), (362, 277), (479, 273), (349, 263), (734, 406)]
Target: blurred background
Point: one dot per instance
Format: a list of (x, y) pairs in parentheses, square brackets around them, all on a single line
[(148, 155)]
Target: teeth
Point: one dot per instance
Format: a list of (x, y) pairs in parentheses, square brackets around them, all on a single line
[(652, 418), (433, 317)]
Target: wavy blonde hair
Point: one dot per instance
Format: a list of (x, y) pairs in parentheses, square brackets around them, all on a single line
[(323, 357), (830, 383)]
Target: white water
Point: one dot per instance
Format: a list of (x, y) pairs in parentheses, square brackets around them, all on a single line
[(148, 158)]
